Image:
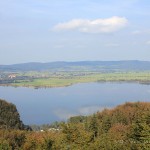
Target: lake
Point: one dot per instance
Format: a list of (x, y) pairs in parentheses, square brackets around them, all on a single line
[(46, 105)]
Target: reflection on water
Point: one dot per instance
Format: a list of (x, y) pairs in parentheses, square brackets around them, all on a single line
[(38, 106)]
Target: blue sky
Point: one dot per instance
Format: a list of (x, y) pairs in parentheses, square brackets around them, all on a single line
[(74, 30)]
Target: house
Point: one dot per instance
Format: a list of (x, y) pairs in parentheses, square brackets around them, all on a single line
[(11, 76)]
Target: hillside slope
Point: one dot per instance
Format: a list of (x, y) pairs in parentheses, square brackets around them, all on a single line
[(126, 127), (9, 116), (130, 65)]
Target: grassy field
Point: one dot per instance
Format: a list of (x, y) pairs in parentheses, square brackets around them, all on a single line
[(65, 79)]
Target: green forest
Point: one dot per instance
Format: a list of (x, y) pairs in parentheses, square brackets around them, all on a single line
[(125, 127)]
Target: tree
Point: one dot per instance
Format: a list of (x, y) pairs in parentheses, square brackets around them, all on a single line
[(93, 126), (9, 116), (140, 132)]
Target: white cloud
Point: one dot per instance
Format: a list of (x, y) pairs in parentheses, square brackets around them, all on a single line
[(139, 32), (136, 32), (108, 25), (58, 46), (148, 42), (112, 45)]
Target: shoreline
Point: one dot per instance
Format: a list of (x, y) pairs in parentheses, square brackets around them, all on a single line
[(60, 86)]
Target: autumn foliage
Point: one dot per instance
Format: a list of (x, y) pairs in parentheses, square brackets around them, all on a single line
[(125, 127)]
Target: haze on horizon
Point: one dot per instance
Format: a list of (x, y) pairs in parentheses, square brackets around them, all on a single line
[(74, 30)]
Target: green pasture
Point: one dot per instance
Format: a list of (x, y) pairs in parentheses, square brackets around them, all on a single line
[(66, 79)]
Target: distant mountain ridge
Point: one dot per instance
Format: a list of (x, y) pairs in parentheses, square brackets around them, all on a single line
[(127, 65)]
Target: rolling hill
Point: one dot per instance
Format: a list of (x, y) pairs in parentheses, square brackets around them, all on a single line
[(105, 66)]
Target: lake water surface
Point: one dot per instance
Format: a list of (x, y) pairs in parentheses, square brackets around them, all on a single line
[(40, 106)]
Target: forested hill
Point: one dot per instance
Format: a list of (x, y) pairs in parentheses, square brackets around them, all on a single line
[(132, 65), (9, 116), (126, 127)]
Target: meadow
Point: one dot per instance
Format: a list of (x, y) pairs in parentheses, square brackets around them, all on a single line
[(61, 79)]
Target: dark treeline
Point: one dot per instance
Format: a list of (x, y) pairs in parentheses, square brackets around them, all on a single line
[(10, 118), (125, 127)]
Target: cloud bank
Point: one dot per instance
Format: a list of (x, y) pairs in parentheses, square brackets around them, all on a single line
[(108, 25)]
